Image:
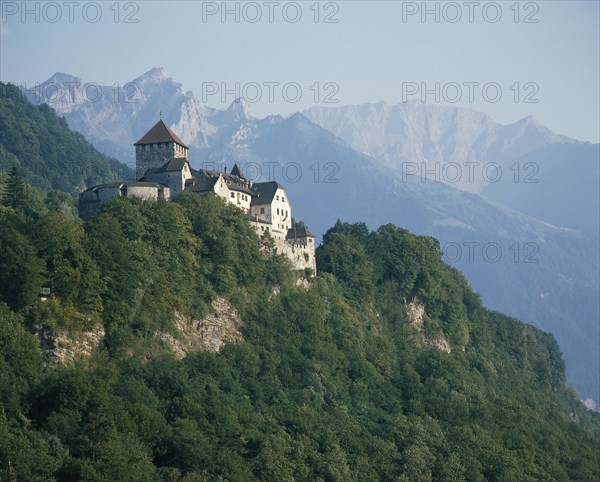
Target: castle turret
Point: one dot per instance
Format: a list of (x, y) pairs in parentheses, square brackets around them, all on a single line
[(158, 146)]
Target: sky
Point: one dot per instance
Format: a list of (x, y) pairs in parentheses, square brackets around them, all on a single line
[(507, 59)]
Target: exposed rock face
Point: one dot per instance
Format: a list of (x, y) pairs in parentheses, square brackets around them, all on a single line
[(63, 348), (209, 333), (416, 314), (438, 342)]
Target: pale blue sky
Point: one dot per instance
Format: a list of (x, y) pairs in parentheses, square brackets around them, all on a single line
[(369, 54)]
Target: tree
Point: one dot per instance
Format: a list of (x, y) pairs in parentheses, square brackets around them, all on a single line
[(2, 188), (61, 202), (16, 194), (72, 273), (348, 261), (21, 271), (20, 361)]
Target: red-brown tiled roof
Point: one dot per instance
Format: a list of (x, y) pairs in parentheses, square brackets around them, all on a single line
[(160, 133)]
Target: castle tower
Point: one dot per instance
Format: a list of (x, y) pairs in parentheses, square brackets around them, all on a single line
[(158, 146)]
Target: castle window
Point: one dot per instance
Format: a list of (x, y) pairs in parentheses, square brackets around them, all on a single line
[(277, 197), (232, 195), (282, 198), (262, 210)]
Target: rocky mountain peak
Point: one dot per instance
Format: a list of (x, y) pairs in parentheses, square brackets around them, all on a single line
[(154, 75), (239, 110)]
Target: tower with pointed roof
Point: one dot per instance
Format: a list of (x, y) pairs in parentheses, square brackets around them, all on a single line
[(158, 146)]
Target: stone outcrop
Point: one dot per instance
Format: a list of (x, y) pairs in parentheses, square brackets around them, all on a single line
[(416, 315), (210, 333), (64, 347)]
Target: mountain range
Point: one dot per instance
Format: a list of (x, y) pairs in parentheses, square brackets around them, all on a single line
[(431, 137), (535, 261)]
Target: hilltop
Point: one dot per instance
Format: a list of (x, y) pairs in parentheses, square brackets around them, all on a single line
[(384, 366)]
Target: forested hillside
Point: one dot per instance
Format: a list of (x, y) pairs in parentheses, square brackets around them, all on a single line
[(384, 367), (48, 154)]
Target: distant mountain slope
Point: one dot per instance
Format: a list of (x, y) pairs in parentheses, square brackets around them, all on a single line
[(48, 154), (558, 292), (565, 190), (434, 135)]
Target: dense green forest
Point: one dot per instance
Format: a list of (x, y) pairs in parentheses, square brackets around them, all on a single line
[(332, 380), (48, 154)]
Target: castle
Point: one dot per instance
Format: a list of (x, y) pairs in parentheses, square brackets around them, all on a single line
[(163, 171)]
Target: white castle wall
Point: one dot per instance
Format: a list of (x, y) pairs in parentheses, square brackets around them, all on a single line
[(302, 256)]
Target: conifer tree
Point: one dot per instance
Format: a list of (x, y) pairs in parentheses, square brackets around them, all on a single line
[(2, 192), (15, 195)]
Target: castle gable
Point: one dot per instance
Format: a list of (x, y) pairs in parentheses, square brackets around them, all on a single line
[(265, 192), (174, 165), (237, 172), (202, 184), (299, 232)]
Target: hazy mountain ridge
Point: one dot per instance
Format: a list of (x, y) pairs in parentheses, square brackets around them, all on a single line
[(564, 189), (558, 292), (414, 132)]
